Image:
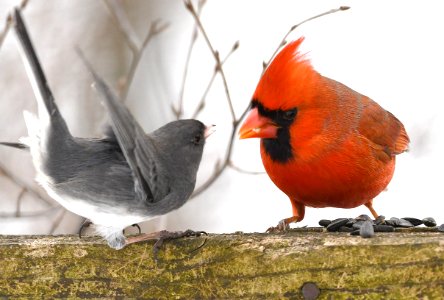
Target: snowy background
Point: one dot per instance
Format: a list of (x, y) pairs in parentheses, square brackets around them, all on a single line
[(389, 51)]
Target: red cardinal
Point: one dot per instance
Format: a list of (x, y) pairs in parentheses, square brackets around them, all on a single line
[(322, 143)]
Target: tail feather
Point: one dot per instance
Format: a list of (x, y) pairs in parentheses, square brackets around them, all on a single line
[(34, 128), (47, 108), (15, 145)]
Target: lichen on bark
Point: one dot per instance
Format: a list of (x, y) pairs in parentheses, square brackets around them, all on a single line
[(269, 266)]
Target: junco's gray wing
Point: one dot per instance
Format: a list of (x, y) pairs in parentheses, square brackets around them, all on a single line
[(135, 144)]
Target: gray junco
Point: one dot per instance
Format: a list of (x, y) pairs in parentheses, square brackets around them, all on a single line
[(124, 178)]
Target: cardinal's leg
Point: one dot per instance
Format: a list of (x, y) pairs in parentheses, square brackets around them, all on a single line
[(298, 215), (372, 210)]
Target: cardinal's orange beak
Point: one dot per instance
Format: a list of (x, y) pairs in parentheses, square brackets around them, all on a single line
[(257, 126)]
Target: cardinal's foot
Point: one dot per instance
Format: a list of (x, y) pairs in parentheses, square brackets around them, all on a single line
[(281, 227), (284, 224)]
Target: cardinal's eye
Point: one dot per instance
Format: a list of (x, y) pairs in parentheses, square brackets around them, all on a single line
[(290, 114), (197, 139)]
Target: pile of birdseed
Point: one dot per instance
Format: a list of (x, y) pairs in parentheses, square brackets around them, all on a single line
[(364, 226)]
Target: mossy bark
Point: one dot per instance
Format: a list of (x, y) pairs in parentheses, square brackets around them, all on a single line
[(402, 265)]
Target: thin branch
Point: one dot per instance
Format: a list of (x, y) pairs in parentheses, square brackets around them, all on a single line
[(23, 185), (30, 214), (124, 25), (5, 30), (8, 23), (19, 202), (122, 22), (154, 30), (292, 28), (219, 168), (215, 53), (178, 112), (57, 222), (240, 170), (201, 104)]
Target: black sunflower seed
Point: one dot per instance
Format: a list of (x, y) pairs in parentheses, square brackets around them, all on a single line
[(345, 229), (404, 223), (357, 224), (324, 222), (414, 221), (336, 224), (363, 218), (355, 232), (383, 228), (429, 222), (366, 230), (379, 220), (393, 222)]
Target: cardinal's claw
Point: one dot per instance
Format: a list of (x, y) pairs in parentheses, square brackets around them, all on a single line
[(272, 229), (283, 225)]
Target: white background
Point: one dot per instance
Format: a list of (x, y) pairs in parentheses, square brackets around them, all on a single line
[(389, 51)]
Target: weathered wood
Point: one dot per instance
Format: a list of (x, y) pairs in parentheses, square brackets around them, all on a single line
[(400, 265)]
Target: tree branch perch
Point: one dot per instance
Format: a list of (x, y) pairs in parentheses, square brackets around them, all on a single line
[(253, 266)]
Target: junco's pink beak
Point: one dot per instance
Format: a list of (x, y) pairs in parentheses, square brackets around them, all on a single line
[(209, 130)]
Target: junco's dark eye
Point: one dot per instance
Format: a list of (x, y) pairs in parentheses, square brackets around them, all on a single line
[(290, 114), (197, 139)]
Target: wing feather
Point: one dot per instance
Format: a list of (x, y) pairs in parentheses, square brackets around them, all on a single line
[(138, 152), (382, 128)]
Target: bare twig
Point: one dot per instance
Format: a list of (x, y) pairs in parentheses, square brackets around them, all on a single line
[(178, 112), (24, 186), (19, 202), (57, 222), (215, 53), (240, 170), (122, 22), (292, 28), (124, 26), (33, 214), (201, 104), (154, 30), (219, 167), (4, 32)]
